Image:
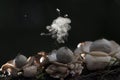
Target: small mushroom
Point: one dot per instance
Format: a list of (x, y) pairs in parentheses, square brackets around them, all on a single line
[(97, 60), (98, 54), (30, 69), (56, 71), (20, 60), (64, 55), (81, 49)]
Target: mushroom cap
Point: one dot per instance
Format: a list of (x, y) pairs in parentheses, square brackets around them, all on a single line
[(64, 55), (95, 62), (83, 47), (20, 60), (101, 45), (75, 68), (86, 46), (30, 71)]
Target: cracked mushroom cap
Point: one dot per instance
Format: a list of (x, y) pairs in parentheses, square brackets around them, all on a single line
[(64, 55), (101, 45)]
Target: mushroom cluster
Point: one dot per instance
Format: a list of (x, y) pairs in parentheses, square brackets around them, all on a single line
[(21, 65), (62, 62), (99, 54)]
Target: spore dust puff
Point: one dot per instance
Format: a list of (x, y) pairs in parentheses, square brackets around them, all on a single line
[(59, 29)]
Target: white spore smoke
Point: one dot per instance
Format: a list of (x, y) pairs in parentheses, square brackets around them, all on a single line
[(59, 29)]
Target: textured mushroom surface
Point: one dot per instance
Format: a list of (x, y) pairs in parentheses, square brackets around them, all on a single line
[(30, 71), (97, 60), (20, 60), (64, 55), (101, 45), (56, 71)]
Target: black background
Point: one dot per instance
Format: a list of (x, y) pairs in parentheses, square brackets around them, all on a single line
[(22, 21)]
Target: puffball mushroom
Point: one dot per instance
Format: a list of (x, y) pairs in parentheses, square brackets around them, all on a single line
[(20, 60), (98, 54), (101, 45), (97, 60), (64, 55)]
